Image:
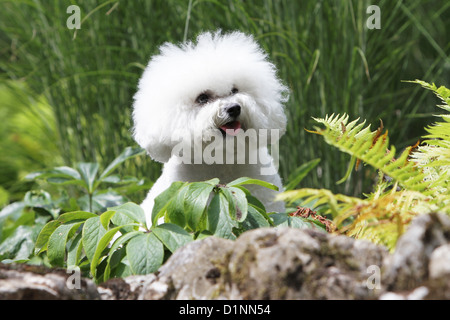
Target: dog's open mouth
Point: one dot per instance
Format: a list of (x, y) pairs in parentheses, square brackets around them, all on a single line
[(232, 128)]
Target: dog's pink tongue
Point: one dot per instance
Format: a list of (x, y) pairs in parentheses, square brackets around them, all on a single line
[(231, 128)]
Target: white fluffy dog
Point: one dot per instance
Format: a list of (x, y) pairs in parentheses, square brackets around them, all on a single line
[(206, 97)]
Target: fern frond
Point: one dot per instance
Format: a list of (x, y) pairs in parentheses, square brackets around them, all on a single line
[(422, 171), (372, 148), (334, 203)]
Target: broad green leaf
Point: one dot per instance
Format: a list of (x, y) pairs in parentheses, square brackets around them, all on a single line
[(57, 243), (285, 220), (75, 215), (118, 243), (101, 201), (172, 236), (145, 253), (105, 218), (255, 219), (163, 200), (117, 179), (176, 212), (12, 209), (246, 180), (74, 250), (62, 172), (50, 227), (219, 220), (229, 200), (93, 231), (132, 211), (102, 244), (88, 172), (213, 182), (19, 245), (196, 199), (240, 201), (128, 153), (255, 202), (44, 235)]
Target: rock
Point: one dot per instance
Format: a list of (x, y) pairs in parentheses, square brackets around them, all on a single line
[(192, 272), (301, 264), (407, 268), (23, 282), (439, 265), (269, 263)]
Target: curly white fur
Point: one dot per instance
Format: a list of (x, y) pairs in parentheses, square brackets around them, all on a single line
[(186, 93)]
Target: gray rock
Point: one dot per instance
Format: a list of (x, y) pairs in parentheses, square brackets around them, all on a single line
[(22, 282), (269, 263), (407, 268)]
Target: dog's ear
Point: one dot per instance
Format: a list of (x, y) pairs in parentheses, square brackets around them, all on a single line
[(159, 152), (149, 133)]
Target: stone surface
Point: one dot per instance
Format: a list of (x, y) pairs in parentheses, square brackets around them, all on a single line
[(270, 264), (22, 282), (407, 268)]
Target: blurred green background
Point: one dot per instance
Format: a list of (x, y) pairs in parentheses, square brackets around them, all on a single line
[(66, 95)]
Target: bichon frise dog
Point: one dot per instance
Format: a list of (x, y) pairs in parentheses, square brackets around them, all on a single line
[(210, 109)]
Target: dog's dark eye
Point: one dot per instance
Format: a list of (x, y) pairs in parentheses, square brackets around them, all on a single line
[(202, 98), (234, 90)]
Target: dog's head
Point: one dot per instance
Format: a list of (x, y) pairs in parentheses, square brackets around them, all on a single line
[(220, 83)]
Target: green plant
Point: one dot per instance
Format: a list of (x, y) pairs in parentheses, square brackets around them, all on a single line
[(85, 189), (118, 242), (87, 178), (416, 182)]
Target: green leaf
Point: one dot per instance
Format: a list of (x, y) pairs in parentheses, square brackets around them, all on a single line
[(240, 201), (58, 172), (44, 235), (57, 243), (255, 219), (163, 200), (219, 221), (246, 180), (119, 243), (196, 199), (105, 218), (101, 200), (145, 253), (128, 153), (102, 244), (285, 220), (229, 201), (75, 215), (132, 211), (19, 245), (50, 227), (74, 250), (93, 231), (172, 236), (12, 209), (175, 208), (88, 171)]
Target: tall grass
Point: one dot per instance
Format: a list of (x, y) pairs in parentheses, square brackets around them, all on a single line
[(323, 49)]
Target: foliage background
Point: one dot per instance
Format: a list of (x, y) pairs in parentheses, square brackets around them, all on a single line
[(66, 95)]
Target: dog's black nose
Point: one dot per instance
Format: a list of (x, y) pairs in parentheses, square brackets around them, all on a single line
[(234, 110)]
